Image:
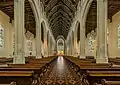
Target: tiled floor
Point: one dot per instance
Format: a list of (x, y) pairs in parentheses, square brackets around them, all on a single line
[(60, 74)]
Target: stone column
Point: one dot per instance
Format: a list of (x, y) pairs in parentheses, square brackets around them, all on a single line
[(82, 40), (19, 32), (45, 42), (68, 47), (49, 45), (51, 50), (52, 47), (38, 39), (65, 48), (101, 31), (72, 51), (75, 43)]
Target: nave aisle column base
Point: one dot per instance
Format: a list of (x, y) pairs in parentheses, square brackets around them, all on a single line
[(19, 60), (101, 60)]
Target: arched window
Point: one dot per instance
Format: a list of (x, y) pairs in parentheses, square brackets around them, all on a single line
[(1, 36), (29, 37), (60, 46)]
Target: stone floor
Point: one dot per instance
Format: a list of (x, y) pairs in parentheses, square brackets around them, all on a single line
[(60, 74)]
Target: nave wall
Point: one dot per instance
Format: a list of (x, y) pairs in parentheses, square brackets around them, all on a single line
[(113, 38), (114, 51), (8, 48)]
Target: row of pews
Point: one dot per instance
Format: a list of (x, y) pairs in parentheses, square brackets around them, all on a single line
[(24, 74), (91, 73)]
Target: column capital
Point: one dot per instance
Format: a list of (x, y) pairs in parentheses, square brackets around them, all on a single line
[(102, 0), (19, 0), (30, 0)]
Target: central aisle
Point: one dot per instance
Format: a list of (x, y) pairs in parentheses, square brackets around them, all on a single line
[(60, 74)]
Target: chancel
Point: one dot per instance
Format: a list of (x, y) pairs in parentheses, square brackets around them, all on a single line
[(59, 42)]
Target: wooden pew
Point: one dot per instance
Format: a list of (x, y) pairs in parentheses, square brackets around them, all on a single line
[(4, 60), (38, 66), (73, 61), (96, 76), (86, 65), (115, 61), (5, 84), (38, 63), (98, 69), (105, 82), (89, 57), (26, 65), (20, 77), (12, 83), (76, 61)]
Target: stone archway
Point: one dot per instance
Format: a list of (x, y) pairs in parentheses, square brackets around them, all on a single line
[(60, 41), (60, 46)]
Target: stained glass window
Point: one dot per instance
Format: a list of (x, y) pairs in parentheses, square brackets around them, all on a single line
[(118, 36), (1, 36), (29, 42), (118, 43), (13, 40), (91, 43), (119, 30)]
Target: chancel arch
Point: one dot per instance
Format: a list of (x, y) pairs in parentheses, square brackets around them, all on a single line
[(60, 45)]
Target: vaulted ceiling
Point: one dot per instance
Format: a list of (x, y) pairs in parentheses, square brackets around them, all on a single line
[(60, 14)]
